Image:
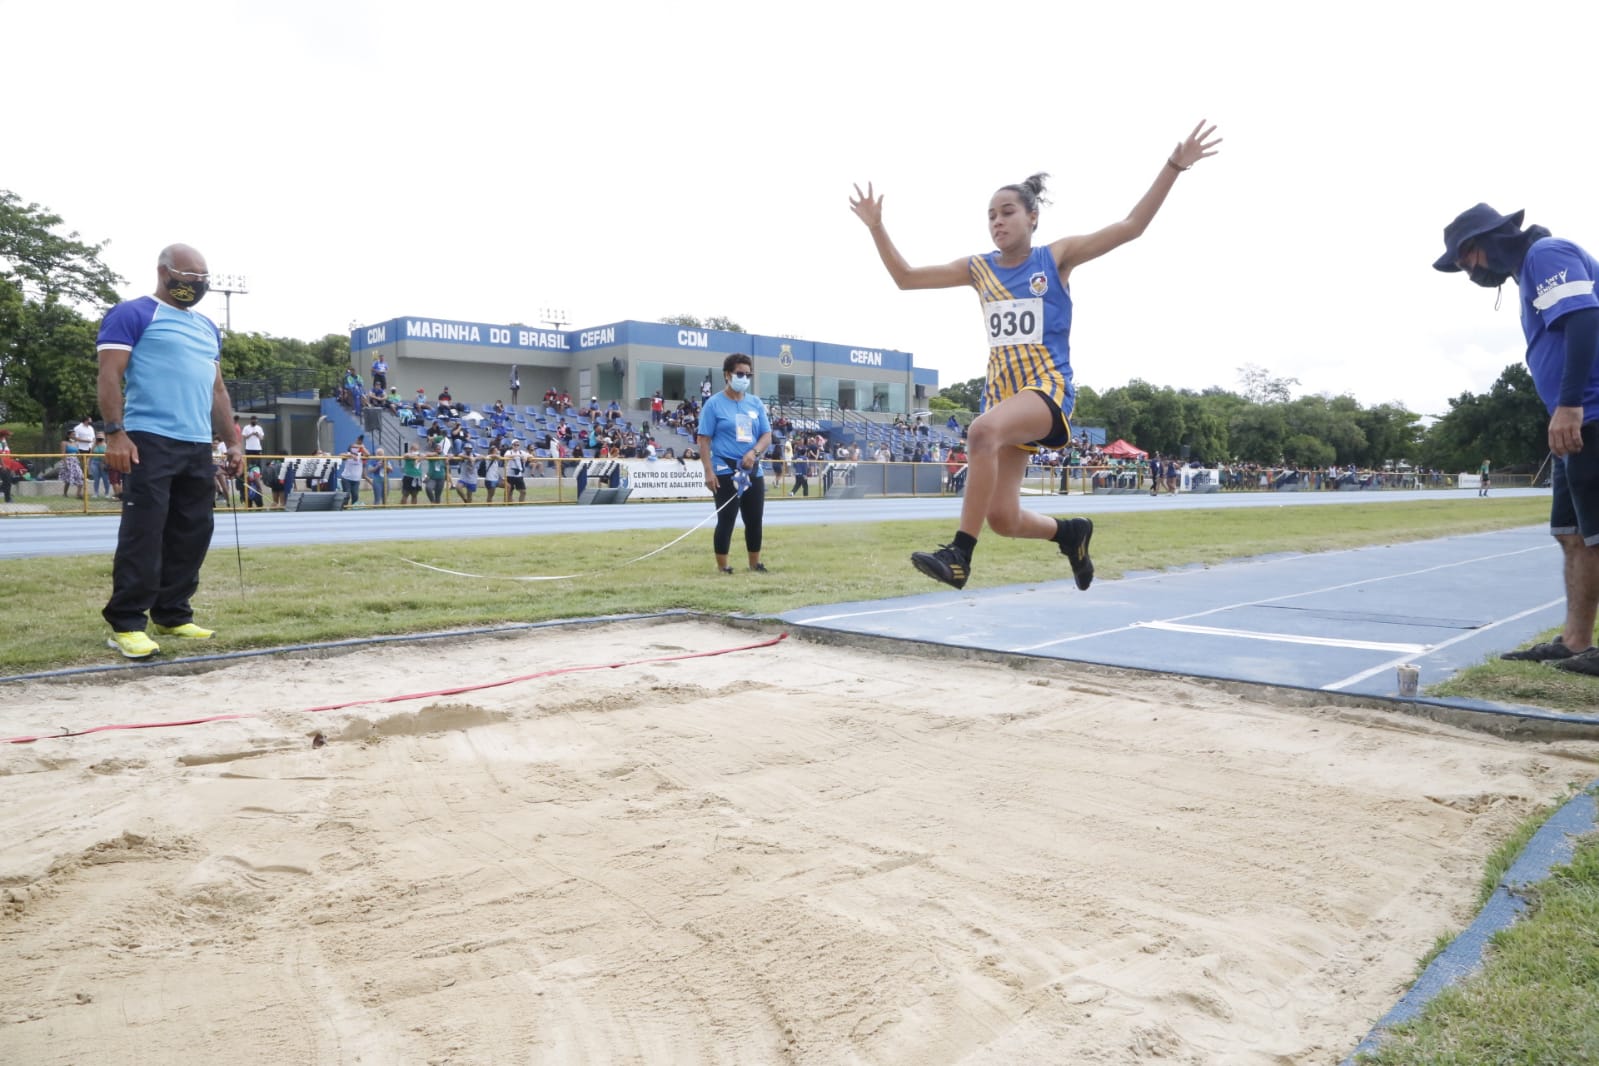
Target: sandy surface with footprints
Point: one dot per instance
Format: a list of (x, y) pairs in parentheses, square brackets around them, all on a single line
[(801, 853)]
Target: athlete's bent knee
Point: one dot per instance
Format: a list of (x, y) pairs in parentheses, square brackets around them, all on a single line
[(1006, 522)]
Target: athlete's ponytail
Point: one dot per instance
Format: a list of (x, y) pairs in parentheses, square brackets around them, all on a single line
[(1030, 193)]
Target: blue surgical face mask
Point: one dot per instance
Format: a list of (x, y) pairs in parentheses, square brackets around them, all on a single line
[(739, 383)]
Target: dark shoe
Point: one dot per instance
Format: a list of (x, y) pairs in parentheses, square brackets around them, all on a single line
[(1583, 662), (1077, 553), (727, 569), (760, 568), (1539, 653), (948, 564)]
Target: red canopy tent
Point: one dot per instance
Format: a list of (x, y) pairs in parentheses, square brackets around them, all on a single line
[(1122, 450)]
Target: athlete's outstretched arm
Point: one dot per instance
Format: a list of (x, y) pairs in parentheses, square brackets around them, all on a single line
[(869, 209), (1070, 252)]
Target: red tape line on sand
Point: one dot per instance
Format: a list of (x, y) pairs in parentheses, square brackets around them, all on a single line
[(410, 695)]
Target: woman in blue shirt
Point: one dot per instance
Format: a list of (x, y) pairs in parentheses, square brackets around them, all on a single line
[(734, 434)]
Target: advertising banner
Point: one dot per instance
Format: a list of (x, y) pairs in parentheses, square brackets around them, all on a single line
[(665, 479)]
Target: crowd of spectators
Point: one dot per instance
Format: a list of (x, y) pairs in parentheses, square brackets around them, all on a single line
[(492, 449)]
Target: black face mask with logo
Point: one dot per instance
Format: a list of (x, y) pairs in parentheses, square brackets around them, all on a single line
[(185, 293)]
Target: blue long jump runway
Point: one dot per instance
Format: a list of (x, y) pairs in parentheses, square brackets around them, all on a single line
[(1340, 621)]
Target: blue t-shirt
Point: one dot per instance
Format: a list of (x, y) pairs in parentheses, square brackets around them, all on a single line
[(734, 427), (1557, 278), (172, 368)]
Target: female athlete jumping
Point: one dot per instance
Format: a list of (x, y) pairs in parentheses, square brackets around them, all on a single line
[(1027, 400)]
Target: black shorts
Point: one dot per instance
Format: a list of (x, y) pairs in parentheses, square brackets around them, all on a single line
[(1575, 506), (519, 483), (410, 484), (1063, 427)]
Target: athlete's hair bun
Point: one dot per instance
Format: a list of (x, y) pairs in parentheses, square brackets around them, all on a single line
[(1035, 185)]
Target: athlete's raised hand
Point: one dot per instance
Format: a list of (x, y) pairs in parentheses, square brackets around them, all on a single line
[(867, 208), (1198, 146)]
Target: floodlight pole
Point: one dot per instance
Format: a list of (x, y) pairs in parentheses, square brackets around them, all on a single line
[(552, 316), (227, 285)]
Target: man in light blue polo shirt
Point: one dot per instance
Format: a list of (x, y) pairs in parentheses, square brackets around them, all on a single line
[(1560, 320), (159, 436)]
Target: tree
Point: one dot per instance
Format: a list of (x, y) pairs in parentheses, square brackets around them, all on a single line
[(964, 395), (1257, 433), (42, 263), (1261, 387), (1508, 424), (52, 377), (1086, 407), (47, 360), (713, 322), (1391, 433)]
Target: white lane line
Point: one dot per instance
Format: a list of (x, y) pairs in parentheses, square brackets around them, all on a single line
[(1355, 679), (1291, 596), (1288, 638)]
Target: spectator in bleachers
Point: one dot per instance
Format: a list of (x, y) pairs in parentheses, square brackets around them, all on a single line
[(516, 463), (804, 467), (272, 477), (378, 469), (410, 475), (380, 373), (437, 470), (253, 488), (657, 408), (493, 471), (352, 471), (466, 475), (69, 470), (955, 468)]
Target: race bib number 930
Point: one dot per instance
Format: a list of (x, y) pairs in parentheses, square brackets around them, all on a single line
[(1014, 322)]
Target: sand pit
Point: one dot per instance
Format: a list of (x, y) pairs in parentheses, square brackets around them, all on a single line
[(799, 854)]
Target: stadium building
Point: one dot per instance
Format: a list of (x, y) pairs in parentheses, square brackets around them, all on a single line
[(628, 361)]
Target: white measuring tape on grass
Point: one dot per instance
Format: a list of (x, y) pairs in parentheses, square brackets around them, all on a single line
[(741, 481)]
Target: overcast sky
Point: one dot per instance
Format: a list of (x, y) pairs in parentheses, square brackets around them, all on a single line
[(360, 161)]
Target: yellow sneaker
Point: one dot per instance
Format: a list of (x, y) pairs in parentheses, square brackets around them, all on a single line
[(134, 644), (188, 631)]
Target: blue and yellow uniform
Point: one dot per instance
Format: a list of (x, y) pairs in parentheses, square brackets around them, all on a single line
[(1028, 315)]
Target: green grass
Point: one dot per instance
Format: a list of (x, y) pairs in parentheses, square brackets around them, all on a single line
[(326, 592), (1531, 684), (1534, 1001)]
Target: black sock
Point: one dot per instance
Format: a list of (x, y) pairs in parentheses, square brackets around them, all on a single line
[(1065, 533), (965, 542)]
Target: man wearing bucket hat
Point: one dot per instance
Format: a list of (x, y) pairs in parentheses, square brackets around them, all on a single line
[(1560, 319)]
